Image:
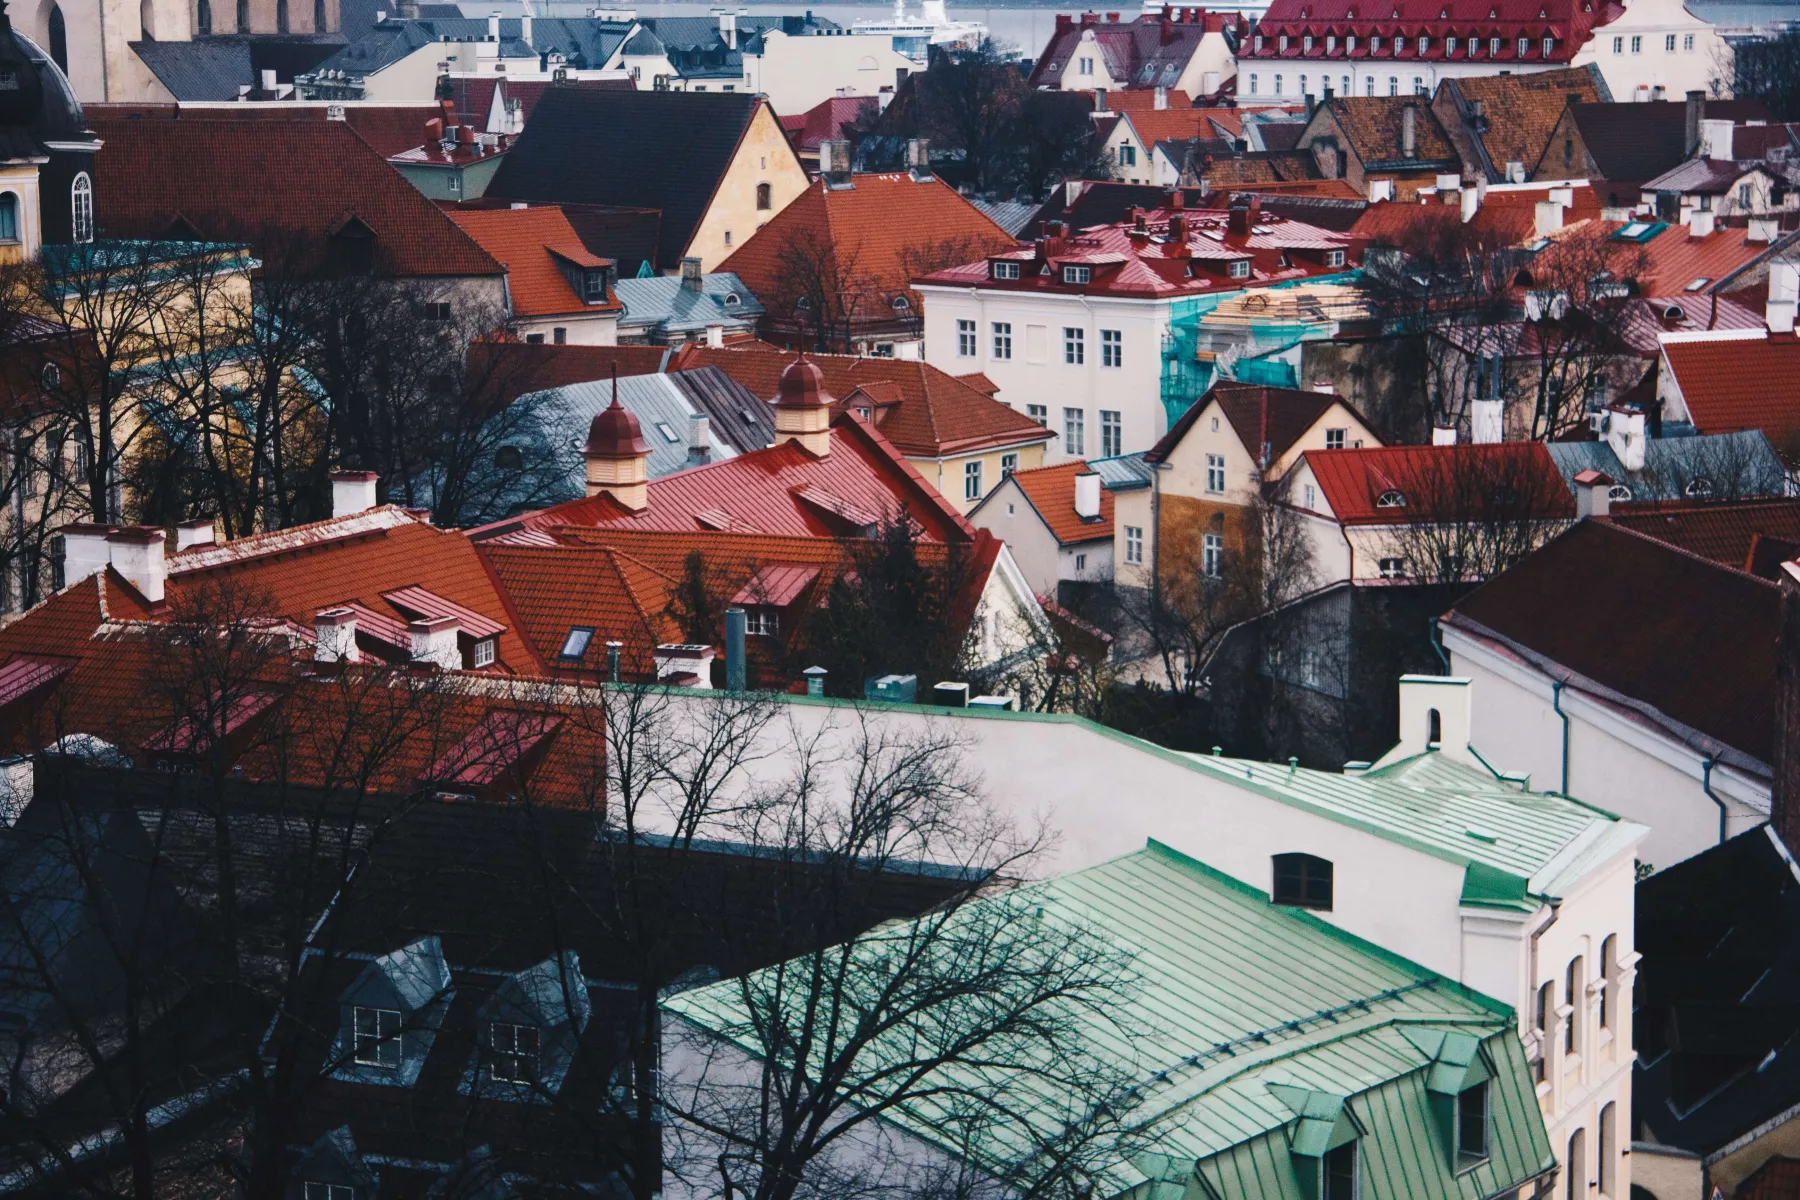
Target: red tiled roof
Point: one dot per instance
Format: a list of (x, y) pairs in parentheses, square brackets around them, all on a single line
[(1776, 1179), (1569, 22), (493, 747), (922, 410), (1051, 491), (1521, 111), (1674, 259), (776, 584), (1725, 532), (1737, 382), (241, 180), (1438, 483), (826, 120), (1153, 125), (554, 590), (1143, 53), (1678, 635), (887, 228), (525, 241), (981, 383), (783, 489), (421, 605), (1278, 249)]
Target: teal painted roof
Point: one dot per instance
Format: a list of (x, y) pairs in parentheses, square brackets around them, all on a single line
[(1453, 811), (1250, 1029)]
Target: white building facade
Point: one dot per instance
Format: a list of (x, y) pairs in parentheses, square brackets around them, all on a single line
[(1659, 50)]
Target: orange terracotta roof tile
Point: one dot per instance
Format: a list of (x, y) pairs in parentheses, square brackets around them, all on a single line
[(1522, 110), (1737, 382), (1051, 491), (1438, 482), (527, 241)]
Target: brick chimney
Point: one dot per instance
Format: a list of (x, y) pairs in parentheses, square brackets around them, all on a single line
[(1784, 812), (691, 278), (137, 554), (618, 457), (803, 407)]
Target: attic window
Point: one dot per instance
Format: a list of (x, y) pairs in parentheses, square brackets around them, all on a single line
[(1618, 491), (513, 1052), (1077, 274), (377, 1033), (1472, 1124), (669, 434), (1698, 488), (1697, 284), (1334, 258), (901, 304), (576, 644), (1006, 270), (1391, 499), (1302, 881), (732, 298), (1240, 268)]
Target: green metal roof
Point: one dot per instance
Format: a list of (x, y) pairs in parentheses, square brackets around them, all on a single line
[(1261, 1036)]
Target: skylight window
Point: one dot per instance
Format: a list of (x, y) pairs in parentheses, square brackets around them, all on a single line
[(1697, 284), (669, 435), (576, 644)]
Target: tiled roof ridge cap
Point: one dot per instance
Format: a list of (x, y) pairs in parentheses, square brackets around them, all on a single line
[(295, 537)]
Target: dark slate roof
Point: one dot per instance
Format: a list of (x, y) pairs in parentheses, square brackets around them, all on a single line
[(585, 42), (1687, 643), (1111, 203), (663, 150), (214, 68), (1718, 993), (1634, 142), (1734, 466), (738, 414)]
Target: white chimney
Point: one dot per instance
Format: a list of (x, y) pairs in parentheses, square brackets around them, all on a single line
[(525, 28), (1784, 291), (1762, 230), (1549, 217), (84, 550), (493, 27), (1324, 387), (1487, 420), (434, 641), (1700, 223), (715, 336), (1448, 183), (1564, 196), (699, 438), (1515, 172), (198, 532), (137, 554), (1435, 704), (1087, 496), (335, 631), (268, 80), (1443, 435), (1715, 139), (1409, 124), (1471, 204), (674, 659), (728, 29), (1380, 189), (1625, 437), (1161, 100), (352, 492), (1593, 493)]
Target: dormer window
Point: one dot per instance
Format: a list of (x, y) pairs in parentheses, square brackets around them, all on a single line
[(1006, 270), (1334, 258), (1284, 43), (1472, 1125), (377, 1032), (1306, 44), (481, 654), (1239, 268), (901, 304), (594, 286), (1450, 46), (1258, 44), (1350, 47), (1391, 499), (1337, 1173), (512, 1052), (1549, 46), (1374, 45), (1698, 489), (1524, 47), (1302, 881), (765, 622), (1077, 275), (1424, 45)]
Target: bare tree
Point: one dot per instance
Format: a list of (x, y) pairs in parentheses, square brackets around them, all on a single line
[(820, 287), (1473, 511)]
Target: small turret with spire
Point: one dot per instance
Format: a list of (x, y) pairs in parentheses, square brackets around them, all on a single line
[(618, 457), (803, 407)]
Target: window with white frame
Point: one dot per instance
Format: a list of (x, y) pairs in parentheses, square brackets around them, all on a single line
[(513, 1052), (1003, 339), (1078, 275), (377, 1036), (1111, 433), (1112, 348), (1278, 85), (1074, 346), (1334, 439), (1334, 258), (1311, 497), (765, 621), (965, 339), (1368, 85), (1006, 270), (1393, 85), (81, 202), (1074, 431), (1081, 562), (1424, 44), (1637, 44), (1306, 44), (1687, 43), (1212, 555), (1284, 43), (1039, 413), (1253, 88), (1009, 463), (1393, 568), (1523, 47), (1215, 473), (1085, 67), (972, 480), (1618, 45), (1549, 46), (1134, 543), (481, 654), (1450, 46), (1239, 268), (1669, 44)]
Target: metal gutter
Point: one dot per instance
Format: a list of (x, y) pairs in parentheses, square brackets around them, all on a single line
[(1706, 767)]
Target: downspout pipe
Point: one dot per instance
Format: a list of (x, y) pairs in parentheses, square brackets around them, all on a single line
[(1706, 769), (1556, 688), (1434, 633)]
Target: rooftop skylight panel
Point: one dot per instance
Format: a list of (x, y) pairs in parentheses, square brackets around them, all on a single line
[(576, 644), (669, 435), (1697, 284)]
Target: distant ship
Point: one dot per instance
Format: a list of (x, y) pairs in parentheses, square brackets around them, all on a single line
[(914, 36)]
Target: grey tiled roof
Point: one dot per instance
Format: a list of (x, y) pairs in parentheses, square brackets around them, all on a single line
[(659, 302), (1734, 465), (1122, 474), (662, 410), (586, 43)]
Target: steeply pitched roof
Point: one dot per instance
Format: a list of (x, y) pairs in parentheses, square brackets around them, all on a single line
[(474, 94), (1145, 52), (663, 305), (880, 232), (532, 243), (920, 409), (1153, 125), (1108, 203), (1737, 381), (1728, 466), (663, 150), (1237, 972), (1566, 21), (1634, 142), (389, 128), (1051, 492), (661, 407), (1374, 127), (237, 180), (1716, 998), (216, 67), (826, 120), (1440, 483), (1679, 638), (740, 415), (1520, 111), (1270, 417), (586, 42), (1729, 534)]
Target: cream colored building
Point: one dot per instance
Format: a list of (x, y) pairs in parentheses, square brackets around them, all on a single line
[(1658, 50), (739, 206), (799, 73)]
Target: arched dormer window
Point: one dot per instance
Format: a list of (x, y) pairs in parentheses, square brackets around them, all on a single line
[(59, 38), (1302, 881), (81, 208), (1698, 488), (1618, 491), (901, 304), (1391, 498)]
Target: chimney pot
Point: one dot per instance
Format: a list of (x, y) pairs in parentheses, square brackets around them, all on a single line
[(434, 641), (699, 439), (715, 336), (690, 275), (1593, 493), (352, 492), (674, 659)]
